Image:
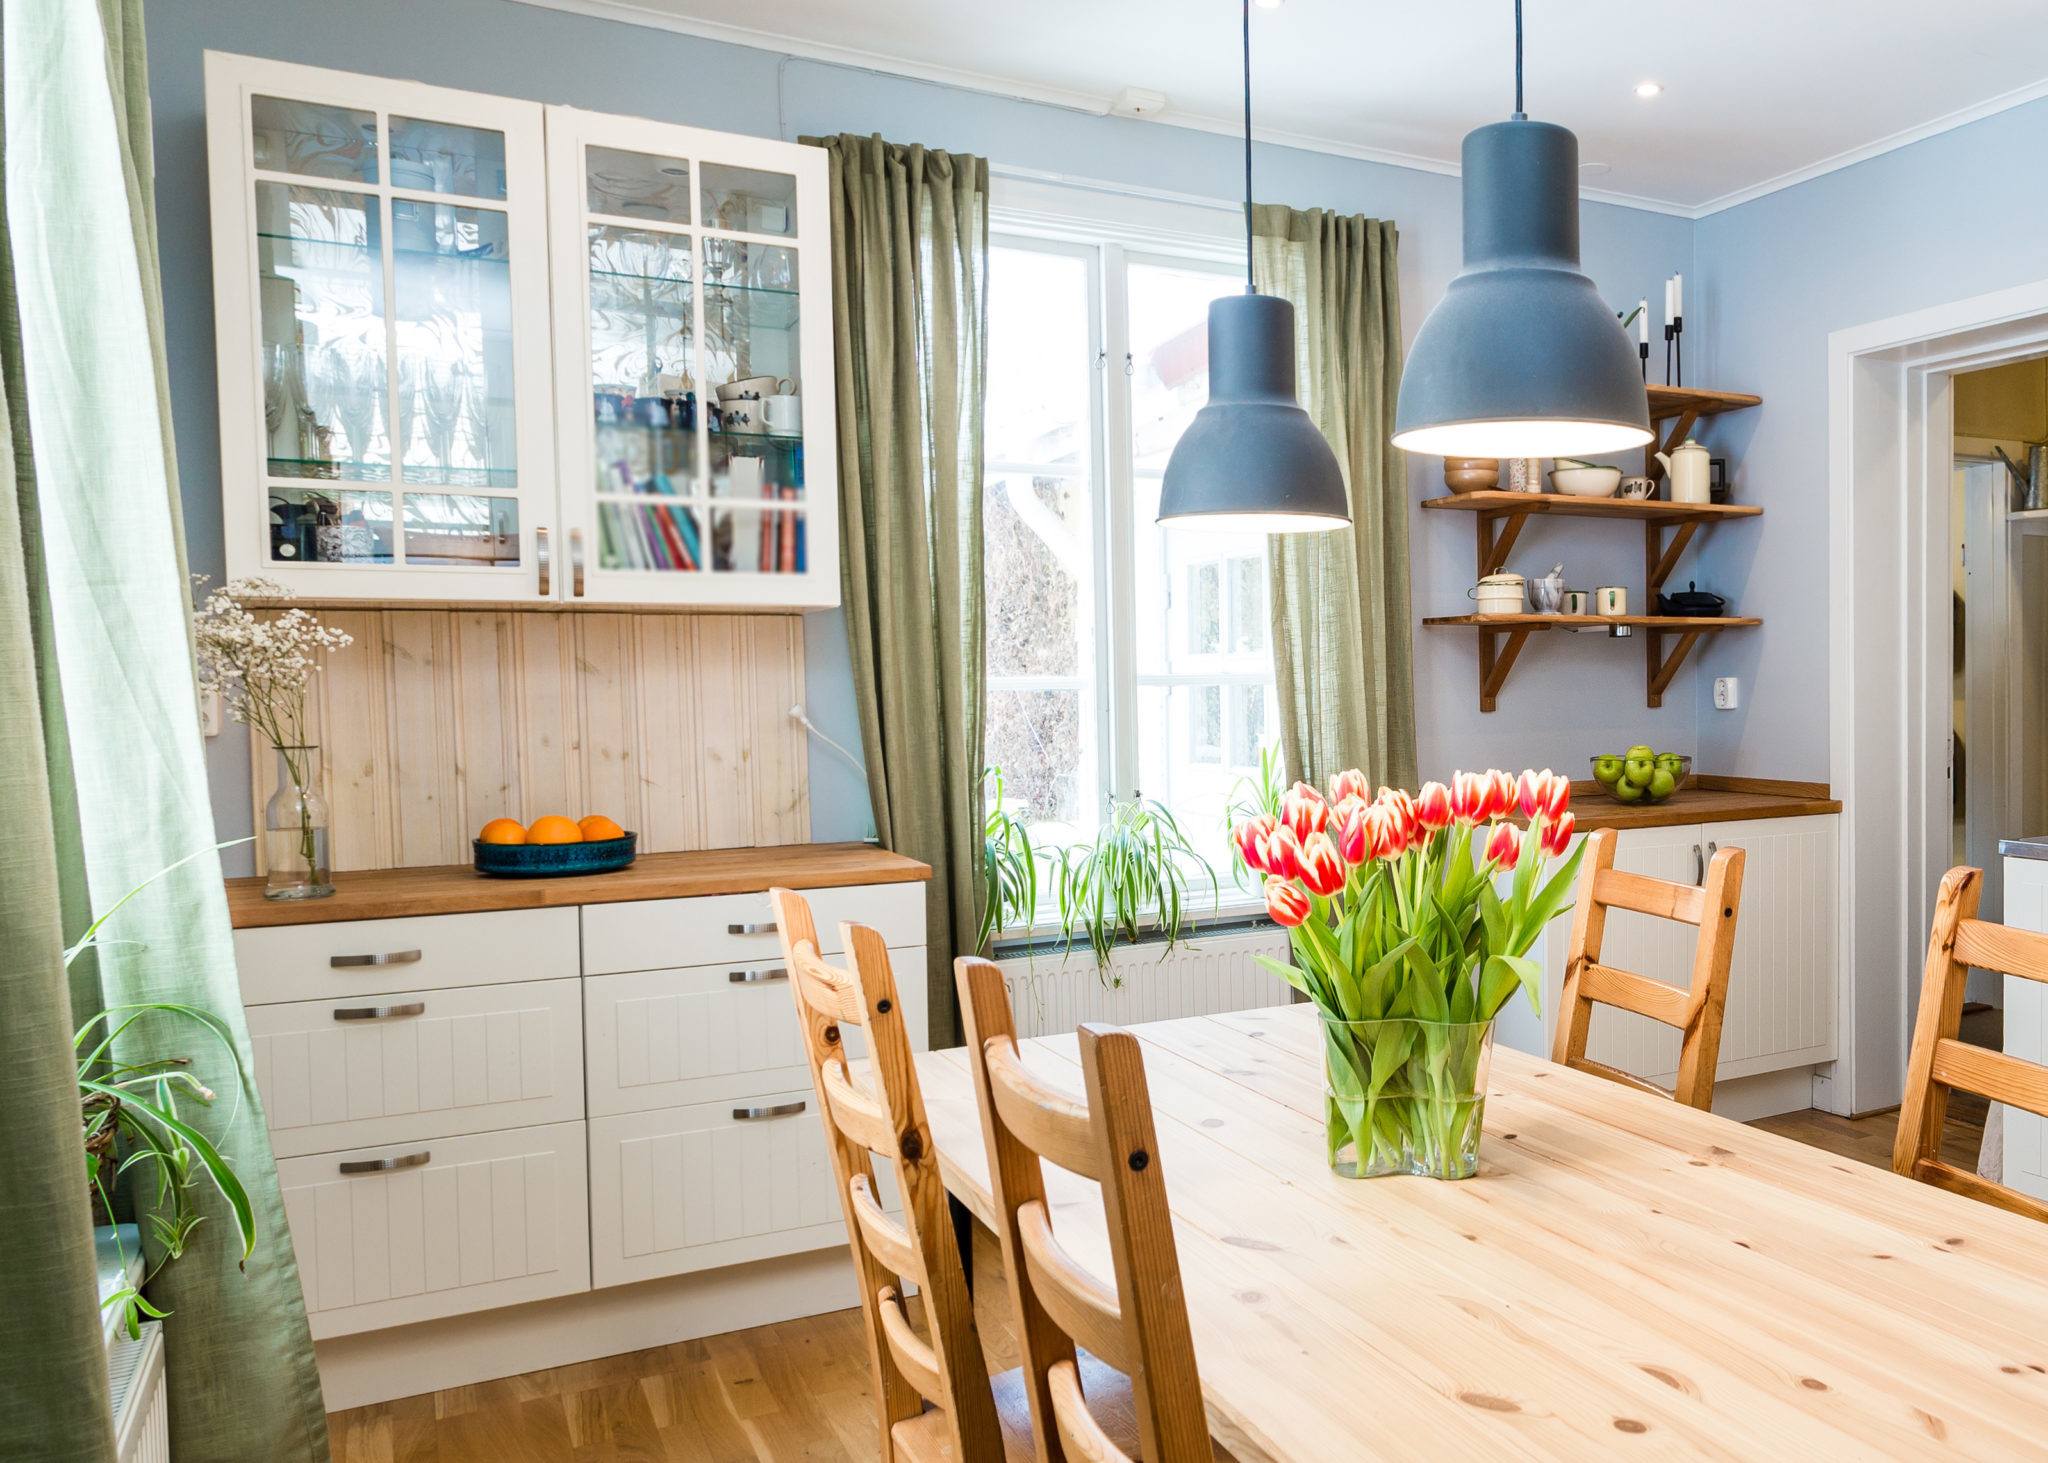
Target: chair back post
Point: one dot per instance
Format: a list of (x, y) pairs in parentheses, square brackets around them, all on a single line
[(1164, 1384), (1015, 1179), (1700, 1053), (1589, 934), (866, 996), (1943, 985)]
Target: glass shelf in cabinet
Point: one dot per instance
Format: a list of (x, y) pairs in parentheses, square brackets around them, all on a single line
[(291, 471), (446, 256)]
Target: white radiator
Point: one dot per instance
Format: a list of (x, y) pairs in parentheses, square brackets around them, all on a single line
[(135, 1369), (1054, 992)]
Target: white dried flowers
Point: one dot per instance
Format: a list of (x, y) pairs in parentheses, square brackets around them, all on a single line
[(260, 667)]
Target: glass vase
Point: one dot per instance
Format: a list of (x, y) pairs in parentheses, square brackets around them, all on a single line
[(1405, 1096), (295, 829)]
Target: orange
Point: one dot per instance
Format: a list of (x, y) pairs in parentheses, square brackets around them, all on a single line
[(597, 826), (553, 828), (502, 830)]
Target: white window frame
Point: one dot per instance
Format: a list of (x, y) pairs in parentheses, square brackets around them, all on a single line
[(1113, 229)]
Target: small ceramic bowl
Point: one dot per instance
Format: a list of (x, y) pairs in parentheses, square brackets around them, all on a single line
[(1471, 474), (1586, 482), (554, 860)]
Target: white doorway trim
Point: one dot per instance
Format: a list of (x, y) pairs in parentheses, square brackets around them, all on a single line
[(1890, 455)]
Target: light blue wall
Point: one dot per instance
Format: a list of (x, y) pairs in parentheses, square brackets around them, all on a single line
[(1572, 696), (1952, 216)]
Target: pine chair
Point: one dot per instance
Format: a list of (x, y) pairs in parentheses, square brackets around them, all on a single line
[(1696, 1010), (888, 1119), (1941, 1063), (1141, 1327)]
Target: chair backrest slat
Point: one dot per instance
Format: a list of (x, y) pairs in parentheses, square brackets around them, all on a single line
[(1696, 1009), (1142, 1325), (1941, 1062), (885, 1115)]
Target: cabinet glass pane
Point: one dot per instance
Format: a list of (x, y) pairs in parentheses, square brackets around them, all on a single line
[(750, 315), (747, 200), (640, 328), (755, 465), (320, 292), (453, 308), (759, 541), (662, 537), (444, 157), (319, 141), (330, 526), (461, 529), (637, 184)]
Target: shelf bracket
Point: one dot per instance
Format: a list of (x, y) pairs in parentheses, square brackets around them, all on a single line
[(1681, 429), (1662, 667), (1661, 557), (1495, 662), (1497, 535)]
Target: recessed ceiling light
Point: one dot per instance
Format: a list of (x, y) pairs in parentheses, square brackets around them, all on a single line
[(1648, 89)]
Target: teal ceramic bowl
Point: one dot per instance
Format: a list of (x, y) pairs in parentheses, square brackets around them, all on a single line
[(553, 860)]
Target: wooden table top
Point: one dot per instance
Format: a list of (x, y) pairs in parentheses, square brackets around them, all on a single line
[(460, 889), (1624, 1276)]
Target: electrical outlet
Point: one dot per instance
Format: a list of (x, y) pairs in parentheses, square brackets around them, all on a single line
[(1727, 693)]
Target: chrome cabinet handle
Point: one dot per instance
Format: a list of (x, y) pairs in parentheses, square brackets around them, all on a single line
[(386, 1165), (540, 557), (389, 957), (1699, 865), (379, 1013), (765, 927), (757, 976), (576, 562), (779, 1110)]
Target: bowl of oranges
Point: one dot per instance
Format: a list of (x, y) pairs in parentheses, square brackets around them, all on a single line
[(552, 845)]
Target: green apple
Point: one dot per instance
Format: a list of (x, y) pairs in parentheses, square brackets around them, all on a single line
[(1662, 785), (1639, 770), (1607, 769), (1670, 762), (1642, 749), (1628, 791)]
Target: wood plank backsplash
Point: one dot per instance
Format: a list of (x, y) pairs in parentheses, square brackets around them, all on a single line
[(436, 720)]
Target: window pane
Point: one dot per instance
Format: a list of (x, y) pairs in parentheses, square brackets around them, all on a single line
[(1248, 606), (1038, 562), (1205, 724), (1205, 608), (1041, 740), (1183, 734), (1251, 713), (1169, 352), (1040, 365)]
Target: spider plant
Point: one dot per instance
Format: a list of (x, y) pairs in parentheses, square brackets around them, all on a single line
[(130, 1120), (1135, 873), (1009, 866)]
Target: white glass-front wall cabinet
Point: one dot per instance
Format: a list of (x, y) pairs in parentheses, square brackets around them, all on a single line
[(477, 349)]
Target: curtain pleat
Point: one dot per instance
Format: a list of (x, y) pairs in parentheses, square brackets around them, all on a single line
[(114, 704), (910, 313), (1342, 633)]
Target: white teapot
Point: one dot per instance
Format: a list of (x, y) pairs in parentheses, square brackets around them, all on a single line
[(1687, 466)]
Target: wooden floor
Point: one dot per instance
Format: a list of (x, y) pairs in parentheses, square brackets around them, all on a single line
[(797, 1391)]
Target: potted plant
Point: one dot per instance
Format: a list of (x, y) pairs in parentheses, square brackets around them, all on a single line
[(1408, 949)]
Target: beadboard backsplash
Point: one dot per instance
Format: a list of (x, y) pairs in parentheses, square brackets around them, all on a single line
[(435, 721)]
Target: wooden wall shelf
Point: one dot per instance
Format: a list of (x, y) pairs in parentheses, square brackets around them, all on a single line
[(1499, 517)]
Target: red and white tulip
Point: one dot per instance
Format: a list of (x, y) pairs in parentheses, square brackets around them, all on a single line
[(1557, 834), (1287, 903), (1322, 868), (1433, 806), (1350, 784), (1303, 810), (1469, 794), (1504, 845)]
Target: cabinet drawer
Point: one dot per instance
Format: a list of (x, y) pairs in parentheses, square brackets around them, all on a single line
[(658, 934), (660, 1038), (483, 1221), (367, 957), (339, 1074), (693, 1188)]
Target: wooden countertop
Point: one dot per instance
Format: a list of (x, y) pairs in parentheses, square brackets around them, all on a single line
[(1706, 799), (459, 889)]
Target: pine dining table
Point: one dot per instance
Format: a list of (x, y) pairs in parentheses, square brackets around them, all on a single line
[(1624, 1276)]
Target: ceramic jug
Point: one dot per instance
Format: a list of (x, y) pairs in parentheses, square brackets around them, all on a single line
[(1686, 465)]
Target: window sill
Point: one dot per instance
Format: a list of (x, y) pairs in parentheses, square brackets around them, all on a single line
[(1044, 938)]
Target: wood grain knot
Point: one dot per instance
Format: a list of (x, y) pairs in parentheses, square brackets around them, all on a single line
[(1936, 1428), (1246, 1242), (1743, 1244), (1212, 1122), (1813, 1384), (1880, 1256), (1251, 1297), (2011, 1371), (831, 1036), (1630, 1425), (1719, 1152), (1698, 1162), (1668, 1378), (912, 1145), (1954, 1242), (1490, 1402)]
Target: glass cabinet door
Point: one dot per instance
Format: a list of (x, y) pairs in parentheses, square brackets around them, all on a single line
[(696, 388), (397, 421)]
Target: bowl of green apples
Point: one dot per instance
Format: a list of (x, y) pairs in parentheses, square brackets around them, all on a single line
[(1642, 774)]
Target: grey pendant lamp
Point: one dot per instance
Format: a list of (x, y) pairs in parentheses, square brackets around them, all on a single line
[(1521, 357), (1252, 461)]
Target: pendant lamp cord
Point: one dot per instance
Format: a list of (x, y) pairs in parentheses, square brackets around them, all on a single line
[(1249, 287), (1520, 114)]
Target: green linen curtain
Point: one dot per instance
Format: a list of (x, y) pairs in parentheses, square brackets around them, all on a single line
[(101, 595), (1342, 638), (910, 314)]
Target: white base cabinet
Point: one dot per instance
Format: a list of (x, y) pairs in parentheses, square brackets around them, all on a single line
[(1781, 983)]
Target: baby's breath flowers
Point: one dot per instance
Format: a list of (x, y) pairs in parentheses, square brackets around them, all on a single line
[(260, 667)]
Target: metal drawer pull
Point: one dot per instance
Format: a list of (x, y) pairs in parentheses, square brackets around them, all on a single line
[(379, 1013), (386, 1165), (765, 927), (755, 977), (780, 1110), (389, 957)]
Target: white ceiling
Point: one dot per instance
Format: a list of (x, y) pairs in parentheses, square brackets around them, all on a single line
[(1757, 93)]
